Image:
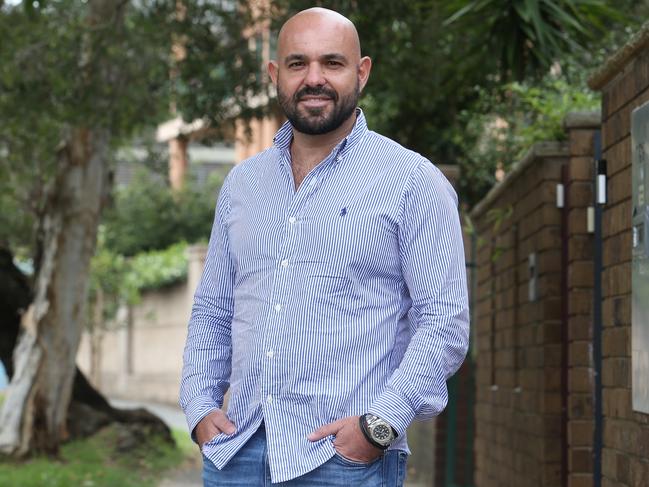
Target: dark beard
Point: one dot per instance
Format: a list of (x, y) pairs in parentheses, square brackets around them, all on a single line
[(316, 123)]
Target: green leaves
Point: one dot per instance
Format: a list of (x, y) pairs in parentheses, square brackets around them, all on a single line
[(66, 63), (220, 76), (148, 215), (159, 268), (528, 35), (504, 123), (121, 280)]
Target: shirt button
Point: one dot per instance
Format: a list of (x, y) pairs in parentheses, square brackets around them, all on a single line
[(285, 263), (270, 354), (269, 398), (278, 307), (292, 220)]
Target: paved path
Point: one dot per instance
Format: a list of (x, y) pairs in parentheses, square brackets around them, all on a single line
[(183, 478), (171, 415)]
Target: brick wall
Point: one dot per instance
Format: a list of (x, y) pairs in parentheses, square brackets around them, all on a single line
[(534, 410), (535, 364), (518, 341), (624, 82)]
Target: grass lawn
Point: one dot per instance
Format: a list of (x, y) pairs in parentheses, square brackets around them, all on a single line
[(95, 462)]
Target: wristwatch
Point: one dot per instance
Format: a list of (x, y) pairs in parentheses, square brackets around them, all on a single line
[(377, 431)]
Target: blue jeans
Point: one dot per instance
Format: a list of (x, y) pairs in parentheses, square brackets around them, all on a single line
[(249, 468)]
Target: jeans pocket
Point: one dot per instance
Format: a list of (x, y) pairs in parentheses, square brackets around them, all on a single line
[(343, 460)]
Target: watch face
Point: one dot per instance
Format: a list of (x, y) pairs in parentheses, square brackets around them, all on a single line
[(381, 433)]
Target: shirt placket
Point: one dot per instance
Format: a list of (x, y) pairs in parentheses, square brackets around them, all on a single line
[(277, 327)]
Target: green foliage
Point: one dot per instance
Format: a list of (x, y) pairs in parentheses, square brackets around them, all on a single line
[(527, 36), (61, 69), (97, 462), (106, 64), (539, 110), (219, 79), (148, 214), (116, 280), (143, 238), (158, 268), (503, 125)]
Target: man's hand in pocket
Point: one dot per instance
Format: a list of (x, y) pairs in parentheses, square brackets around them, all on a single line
[(211, 425)]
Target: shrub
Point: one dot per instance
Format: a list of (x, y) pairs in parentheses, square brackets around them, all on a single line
[(148, 215)]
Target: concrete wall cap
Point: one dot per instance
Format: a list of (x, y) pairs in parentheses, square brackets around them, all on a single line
[(582, 120), (540, 150), (197, 249), (616, 63)]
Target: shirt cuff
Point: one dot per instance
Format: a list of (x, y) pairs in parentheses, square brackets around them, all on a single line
[(395, 408), (197, 409)]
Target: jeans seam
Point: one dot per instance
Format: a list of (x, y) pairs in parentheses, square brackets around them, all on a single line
[(265, 457), (398, 456)]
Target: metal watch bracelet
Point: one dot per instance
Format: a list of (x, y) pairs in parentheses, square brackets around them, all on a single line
[(363, 424)]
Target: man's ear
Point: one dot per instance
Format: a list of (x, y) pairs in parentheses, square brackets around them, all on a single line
[(364, 68), (273, 69)]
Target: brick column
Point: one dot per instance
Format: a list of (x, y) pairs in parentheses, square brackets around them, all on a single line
[(518, 332), (580, 129), (624, 83)]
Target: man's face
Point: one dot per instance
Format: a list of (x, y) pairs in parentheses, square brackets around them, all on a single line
[(316, 110), (319, 75)]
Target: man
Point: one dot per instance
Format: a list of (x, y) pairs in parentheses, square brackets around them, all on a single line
[(333, 301)]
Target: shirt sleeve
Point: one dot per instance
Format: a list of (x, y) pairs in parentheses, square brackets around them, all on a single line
[(208, 350), (433, 267)]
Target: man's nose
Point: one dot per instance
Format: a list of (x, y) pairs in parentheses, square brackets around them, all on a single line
[(315, 75)]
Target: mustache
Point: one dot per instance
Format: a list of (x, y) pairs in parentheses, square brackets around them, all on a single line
[(315, 91)]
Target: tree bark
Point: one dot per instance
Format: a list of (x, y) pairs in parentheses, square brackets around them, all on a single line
[(89, 410), (35, 409), (49, 399)]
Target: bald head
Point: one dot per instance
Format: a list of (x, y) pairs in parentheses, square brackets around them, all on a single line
[(319, 72), (326, 23)]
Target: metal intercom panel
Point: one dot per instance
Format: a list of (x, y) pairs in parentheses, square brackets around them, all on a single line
[(640, 279)]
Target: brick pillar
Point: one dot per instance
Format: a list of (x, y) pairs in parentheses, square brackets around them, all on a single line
[(580, 128), (624, 83), (518, 325)]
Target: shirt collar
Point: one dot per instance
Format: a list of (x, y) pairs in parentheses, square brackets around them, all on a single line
[(284, 136)]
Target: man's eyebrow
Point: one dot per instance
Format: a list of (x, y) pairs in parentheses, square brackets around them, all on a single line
[(294, 57), (324, 57), (334, 57)]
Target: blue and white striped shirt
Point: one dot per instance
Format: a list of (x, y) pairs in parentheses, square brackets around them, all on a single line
[(344, 297)]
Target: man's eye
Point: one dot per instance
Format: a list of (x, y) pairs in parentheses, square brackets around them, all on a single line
[(296, 64), (334, 64)]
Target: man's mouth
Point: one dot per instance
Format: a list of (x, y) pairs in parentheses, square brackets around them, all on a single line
[(314, 101)]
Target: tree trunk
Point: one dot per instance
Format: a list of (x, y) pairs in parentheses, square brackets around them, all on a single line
[(89, 410), (35, 409)]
